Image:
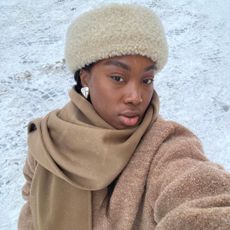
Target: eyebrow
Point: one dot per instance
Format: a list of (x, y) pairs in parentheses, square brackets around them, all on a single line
[(125, 66), (117, 63), (151, 67)]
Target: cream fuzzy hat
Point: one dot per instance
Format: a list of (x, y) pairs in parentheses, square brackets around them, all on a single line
[(115, 30)]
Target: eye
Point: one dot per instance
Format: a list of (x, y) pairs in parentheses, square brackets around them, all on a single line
[(148, 81), (117, 78)]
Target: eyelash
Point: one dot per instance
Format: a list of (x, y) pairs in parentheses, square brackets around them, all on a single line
[(148, 83), (120, 79), (115, 78)]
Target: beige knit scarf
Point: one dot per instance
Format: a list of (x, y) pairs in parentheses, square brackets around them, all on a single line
[(77, 152)]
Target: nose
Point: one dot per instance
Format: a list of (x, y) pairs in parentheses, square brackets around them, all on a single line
[(133, 95)]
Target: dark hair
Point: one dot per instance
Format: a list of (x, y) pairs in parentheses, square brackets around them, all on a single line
[(77, 78)]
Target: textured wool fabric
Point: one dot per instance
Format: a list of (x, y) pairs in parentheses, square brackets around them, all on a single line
[(77, 152), (115, 30), (168, 184)]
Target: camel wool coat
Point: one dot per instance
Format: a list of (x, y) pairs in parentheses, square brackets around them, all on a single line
[(168, 184)]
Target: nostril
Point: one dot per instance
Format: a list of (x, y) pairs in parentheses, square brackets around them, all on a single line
[(134, 99), (133, 93)]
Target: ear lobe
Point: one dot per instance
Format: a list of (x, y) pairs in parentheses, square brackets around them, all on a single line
[(84, 76)]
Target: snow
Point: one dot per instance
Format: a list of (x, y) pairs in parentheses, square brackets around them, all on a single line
[(194, 87)]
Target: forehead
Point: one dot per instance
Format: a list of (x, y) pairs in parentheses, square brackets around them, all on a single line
[(128, 62)]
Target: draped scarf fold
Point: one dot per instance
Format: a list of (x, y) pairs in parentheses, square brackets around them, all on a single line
[(77, 153)]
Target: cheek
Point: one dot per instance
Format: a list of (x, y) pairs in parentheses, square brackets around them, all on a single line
[(97, 93), (105, 108), (147, 96), (100, 99)]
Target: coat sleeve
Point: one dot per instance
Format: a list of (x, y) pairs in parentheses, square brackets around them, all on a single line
[(189, 192), (25, 218)]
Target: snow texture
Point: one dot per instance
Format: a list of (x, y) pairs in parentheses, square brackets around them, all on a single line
[(194, 87)]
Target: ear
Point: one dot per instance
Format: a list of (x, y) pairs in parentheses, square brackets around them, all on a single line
[(84, 76)]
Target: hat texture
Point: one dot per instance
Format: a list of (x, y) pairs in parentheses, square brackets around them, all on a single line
[(115, 30)]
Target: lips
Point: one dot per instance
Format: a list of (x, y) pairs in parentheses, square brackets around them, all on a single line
[(129, 118)]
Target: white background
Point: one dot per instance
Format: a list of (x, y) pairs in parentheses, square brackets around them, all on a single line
[(194, 87)]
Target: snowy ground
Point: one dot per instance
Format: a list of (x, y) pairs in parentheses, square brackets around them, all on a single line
[(194, 88)]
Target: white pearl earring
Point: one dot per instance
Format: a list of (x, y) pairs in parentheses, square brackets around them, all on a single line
[(85, 91)]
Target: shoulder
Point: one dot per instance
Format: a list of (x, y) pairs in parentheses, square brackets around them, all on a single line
[(32, 132), (169, 131), (171, 127), (171, 140)]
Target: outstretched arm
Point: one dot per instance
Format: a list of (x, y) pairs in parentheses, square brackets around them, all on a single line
[(189, 191)]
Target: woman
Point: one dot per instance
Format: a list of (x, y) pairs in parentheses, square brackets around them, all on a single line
[(107, 160)]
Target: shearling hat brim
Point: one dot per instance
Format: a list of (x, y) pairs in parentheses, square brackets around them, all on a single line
[(115, 30)]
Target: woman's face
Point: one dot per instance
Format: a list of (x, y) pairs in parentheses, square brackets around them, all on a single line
[(121, 89)]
